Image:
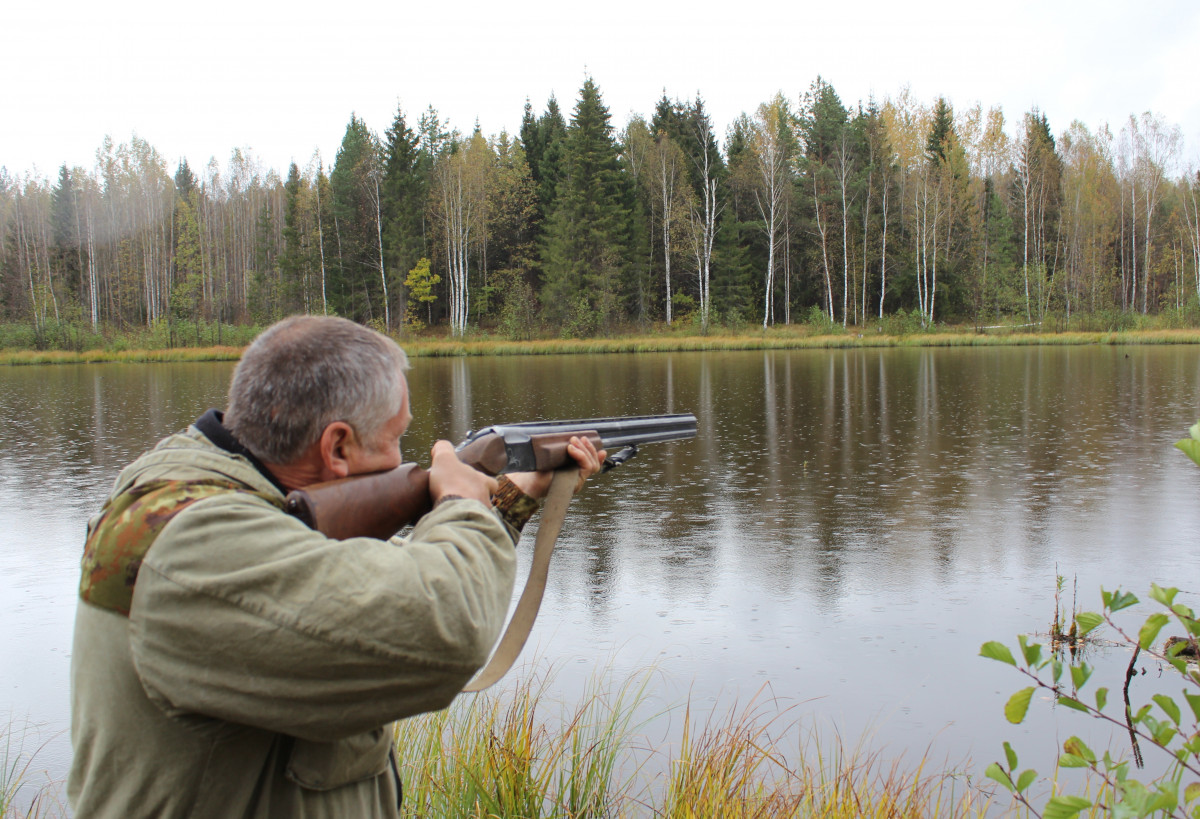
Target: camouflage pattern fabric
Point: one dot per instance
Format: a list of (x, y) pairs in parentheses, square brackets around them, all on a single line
[(128, 527)]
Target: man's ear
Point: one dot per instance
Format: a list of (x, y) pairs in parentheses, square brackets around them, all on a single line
[(334, 441)]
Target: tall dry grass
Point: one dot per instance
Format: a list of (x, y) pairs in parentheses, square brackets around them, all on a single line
[(520, 755), (796, 337), (22, 794)]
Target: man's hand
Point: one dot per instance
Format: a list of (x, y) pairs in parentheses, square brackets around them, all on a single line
[(448, 476), (589, 459)]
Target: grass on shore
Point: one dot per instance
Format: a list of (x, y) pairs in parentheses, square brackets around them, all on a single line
[(794, 338), (20, 797), (516, 753), (519, 755)]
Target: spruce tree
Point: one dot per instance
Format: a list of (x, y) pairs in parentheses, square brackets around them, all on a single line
[(738, 236), (293, 259), (404, 191), (355, 290), (66, 251), (185, 180), (587, 236)]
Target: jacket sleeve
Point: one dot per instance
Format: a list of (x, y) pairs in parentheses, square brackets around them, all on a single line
[(243, 613)]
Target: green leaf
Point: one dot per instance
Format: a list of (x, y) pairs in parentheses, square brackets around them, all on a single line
[(1065, 807), (997, 651), (1032, 652), (1080, 674), (1025, 780), (1166, 801), (1121, 600), (1018, 705), (1193, 701), (997, 773), (1071, 761), (1076, 746), (1190, 447), (1150, 629), (1191, 792), (1167, 704), (1164, 733), (1072, 703), (1101, 698), (1088, 620), (1165, 596), (1056, 670), (1011, 756)]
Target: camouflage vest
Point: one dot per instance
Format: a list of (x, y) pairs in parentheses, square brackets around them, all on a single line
[(128, 526)]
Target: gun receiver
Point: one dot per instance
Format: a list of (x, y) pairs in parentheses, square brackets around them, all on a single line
[(380, 504)]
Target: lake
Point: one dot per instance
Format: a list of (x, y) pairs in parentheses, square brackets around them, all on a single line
[(845, 531)]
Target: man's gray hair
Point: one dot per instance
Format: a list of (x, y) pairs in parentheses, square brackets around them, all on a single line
[(306, 372)]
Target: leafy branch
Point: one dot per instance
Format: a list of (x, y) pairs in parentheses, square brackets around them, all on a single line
[(1168, 731)]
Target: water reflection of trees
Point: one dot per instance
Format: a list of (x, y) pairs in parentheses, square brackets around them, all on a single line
[(813, 471), (69, 429), (835, 465)]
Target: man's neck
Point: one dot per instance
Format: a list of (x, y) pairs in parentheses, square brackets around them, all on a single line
[(295, 475)]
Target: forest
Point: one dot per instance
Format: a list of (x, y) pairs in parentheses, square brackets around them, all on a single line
[(807, 210)]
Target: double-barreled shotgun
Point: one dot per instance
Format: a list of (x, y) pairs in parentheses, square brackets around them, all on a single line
[(381, 503)]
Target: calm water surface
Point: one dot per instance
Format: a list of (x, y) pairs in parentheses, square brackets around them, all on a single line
[(846, 530)]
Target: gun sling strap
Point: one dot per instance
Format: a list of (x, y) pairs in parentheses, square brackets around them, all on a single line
[(554, 512)]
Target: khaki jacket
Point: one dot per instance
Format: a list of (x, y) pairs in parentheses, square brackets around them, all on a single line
[(262, 664)]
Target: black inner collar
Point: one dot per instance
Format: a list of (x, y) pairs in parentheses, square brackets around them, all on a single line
[(212, 424)]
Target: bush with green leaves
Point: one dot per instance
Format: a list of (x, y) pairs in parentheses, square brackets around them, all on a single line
[(820, 322), (901, 323), (1170, 726)]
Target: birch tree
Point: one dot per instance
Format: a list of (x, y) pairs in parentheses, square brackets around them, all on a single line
[(706, 208), (1155, 147), (769, 179), (1190, 194), (669, 180), (460, 186)]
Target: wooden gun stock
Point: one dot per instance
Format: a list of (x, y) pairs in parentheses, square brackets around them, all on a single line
[(376, 505), (380, 504)]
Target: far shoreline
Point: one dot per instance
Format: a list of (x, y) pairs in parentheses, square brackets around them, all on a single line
[(771, 340)]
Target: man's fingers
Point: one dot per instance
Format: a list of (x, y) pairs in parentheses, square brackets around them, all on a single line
[(587, 457), (450, 476)]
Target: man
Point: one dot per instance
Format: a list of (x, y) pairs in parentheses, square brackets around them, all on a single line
[(228, 661)]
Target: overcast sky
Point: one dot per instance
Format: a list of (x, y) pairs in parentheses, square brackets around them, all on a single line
[(281, 79)]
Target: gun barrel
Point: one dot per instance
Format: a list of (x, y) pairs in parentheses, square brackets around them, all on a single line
[(622, 431), (619, 431)]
